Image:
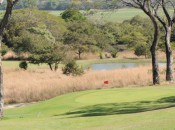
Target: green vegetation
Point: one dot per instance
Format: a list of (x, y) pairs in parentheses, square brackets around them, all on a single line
[(15, 65), (39, 34), (52, 55), (124, 108), (114, 53), (38, 39), (23, 65), (71, 15), (46, 39), (114, 16), (79, 37), (142, 49), (109, 16), (83, 63), (4, 49), (71, 68), (33, 23)]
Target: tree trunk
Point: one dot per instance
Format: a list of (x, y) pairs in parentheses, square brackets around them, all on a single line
[(50, 66), (1, 85), (169, 56), (155, 66), (56, 66), (3, 23), (79, 55)]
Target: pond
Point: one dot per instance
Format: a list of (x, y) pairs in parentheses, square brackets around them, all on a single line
[(112, 66)]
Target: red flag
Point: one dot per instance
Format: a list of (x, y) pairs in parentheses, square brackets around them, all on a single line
[(106, 82)]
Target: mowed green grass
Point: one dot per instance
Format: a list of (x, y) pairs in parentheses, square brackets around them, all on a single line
[(118, 15), (110, 15), (147, 108), (15, 65)]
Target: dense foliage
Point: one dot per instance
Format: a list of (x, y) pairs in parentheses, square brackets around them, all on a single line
[(71, 68), (72, 15), (39, 34), (64, 4), (47, 38), (23, 65)]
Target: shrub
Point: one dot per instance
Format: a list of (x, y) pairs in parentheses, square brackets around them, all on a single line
[(114, 53), (142, 49), (71, 68), (101, 55), (4, 49), (23, 65), (72, 15)]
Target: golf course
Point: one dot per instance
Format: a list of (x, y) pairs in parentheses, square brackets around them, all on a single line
[(87, 65), (146, 108)]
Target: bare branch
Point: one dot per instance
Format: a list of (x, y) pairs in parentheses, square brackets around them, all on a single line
[(166, 12), (131, 4)]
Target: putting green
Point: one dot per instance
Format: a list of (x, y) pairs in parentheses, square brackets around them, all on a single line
[(123, 95), (147, 108)]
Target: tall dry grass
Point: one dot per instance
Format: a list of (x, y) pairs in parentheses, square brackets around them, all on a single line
[(28, 86)]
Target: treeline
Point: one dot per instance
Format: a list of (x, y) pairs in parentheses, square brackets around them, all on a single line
[(46, 38), (64, 4)]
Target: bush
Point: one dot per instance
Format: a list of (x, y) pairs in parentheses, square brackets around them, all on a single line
[(114, 53), (71, 68), (72, 15), (101, 55), (23, 65), (140, 50), (4, 49)]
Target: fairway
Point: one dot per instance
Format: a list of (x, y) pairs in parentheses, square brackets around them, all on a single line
[(147, 108), (118, 15), (109, 15)]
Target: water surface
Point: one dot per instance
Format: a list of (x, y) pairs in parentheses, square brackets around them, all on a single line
[(112, 66)]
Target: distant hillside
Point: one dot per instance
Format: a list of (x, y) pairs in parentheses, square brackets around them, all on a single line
[(64, 4)]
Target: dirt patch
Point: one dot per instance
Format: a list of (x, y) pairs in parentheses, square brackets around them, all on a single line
[(9, 106)]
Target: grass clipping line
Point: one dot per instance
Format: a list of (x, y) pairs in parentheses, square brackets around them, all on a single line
[(38, 85)]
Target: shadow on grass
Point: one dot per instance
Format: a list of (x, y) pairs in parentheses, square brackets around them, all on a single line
[(123, 108)]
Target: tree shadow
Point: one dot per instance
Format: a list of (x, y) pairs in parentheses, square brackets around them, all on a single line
[(123, 108)]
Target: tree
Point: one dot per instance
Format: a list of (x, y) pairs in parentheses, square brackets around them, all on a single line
[(167, 24), (108, 34), (35, 20), (4, 49), (148, 9), (51, 54), (71, 68), (80, 37), (28, 40), (72, 15), (4, 21), (41, 47), (141, 49), (29, 3), (133, 38)]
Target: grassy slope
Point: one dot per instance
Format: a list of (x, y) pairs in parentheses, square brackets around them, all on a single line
[(123, 108)]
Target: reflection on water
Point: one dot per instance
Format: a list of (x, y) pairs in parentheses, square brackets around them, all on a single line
[(111, 66)]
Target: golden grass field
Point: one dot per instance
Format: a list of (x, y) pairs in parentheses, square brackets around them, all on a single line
[(39, 83), (42, 84)]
